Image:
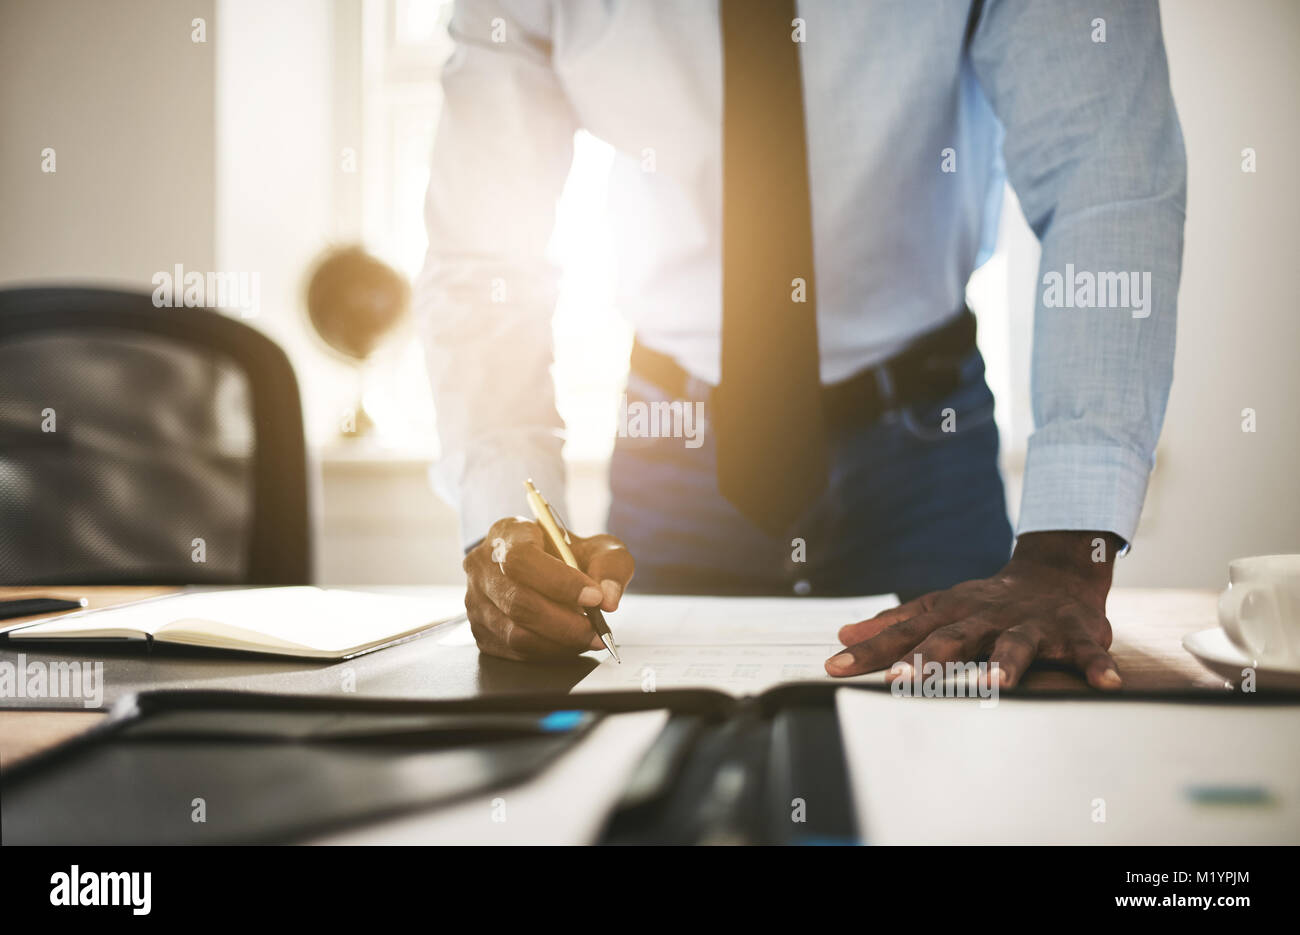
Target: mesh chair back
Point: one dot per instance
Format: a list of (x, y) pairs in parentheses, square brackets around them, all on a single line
[(145, 445)]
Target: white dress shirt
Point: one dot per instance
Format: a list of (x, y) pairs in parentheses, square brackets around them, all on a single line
[(909, 121)]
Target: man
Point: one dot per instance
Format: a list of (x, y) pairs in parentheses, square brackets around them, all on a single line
[(803, 193)]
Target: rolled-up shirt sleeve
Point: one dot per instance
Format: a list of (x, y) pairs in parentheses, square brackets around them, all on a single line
[(485, 298), (1095, 154)]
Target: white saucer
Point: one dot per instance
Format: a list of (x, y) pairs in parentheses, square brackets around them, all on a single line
[(1215, 651)]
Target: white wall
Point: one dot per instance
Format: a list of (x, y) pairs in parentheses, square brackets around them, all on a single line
[(277, 170), (1219, 492), (125, 98), (217, 155)]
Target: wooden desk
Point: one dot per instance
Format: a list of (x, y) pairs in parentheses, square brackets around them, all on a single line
[(1149, 627)]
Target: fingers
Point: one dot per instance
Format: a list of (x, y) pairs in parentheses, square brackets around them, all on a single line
[(887, 646), (866, 629), (1012, 653), (609, 562), (1097, 665), (535, 611), (952, 633), (498, 635), (1069, 642), (961, 642), (530, 567), (523, 602)]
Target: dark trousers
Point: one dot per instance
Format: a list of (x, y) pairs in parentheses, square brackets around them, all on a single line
[(909, 507)]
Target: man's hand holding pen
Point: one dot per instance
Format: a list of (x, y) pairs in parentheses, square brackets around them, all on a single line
[(529, 605)]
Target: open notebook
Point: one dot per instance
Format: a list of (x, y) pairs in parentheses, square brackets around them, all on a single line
[(310, 622)]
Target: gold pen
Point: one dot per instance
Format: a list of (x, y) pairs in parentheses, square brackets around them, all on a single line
[(560, 539)]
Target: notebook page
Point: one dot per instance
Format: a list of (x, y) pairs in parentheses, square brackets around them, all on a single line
[(325, 621), (139, 618)]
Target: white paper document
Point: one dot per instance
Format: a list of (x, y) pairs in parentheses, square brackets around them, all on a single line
[(1042, 771), (740, 646), (543, 810)]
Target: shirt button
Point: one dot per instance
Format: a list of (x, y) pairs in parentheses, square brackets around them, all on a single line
[(802, 587)]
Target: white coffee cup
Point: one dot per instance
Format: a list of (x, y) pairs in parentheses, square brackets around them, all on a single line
[(1260, 610)]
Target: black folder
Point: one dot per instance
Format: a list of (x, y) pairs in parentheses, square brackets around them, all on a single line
[(279, 769)]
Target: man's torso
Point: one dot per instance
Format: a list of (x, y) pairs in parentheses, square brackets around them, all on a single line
[(903, 158)]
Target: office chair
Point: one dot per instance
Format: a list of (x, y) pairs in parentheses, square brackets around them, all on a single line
[(144, 445)]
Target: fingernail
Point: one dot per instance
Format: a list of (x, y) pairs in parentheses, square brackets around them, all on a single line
[(612, 593), (840, 661), (590, 596), (1110, 679)]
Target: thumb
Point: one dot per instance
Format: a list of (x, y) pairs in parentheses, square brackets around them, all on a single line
[(610, 563)]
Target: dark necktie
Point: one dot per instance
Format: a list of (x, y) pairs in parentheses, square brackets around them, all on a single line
[(771, 441)]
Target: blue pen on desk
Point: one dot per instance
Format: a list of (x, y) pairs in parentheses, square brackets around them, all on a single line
[(542, 510)]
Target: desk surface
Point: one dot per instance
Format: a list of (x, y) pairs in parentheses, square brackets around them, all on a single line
[(1149, 627)]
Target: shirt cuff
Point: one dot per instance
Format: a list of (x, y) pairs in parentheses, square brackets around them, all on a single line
[(494, 492), (1083, 487)]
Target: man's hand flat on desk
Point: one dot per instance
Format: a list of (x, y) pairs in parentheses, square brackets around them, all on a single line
[(1048, 602), (524, 603)]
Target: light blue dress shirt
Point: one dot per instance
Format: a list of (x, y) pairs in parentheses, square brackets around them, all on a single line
[(916, 114)]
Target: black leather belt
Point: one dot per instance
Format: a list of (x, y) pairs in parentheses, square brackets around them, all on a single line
[(927, 369)]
